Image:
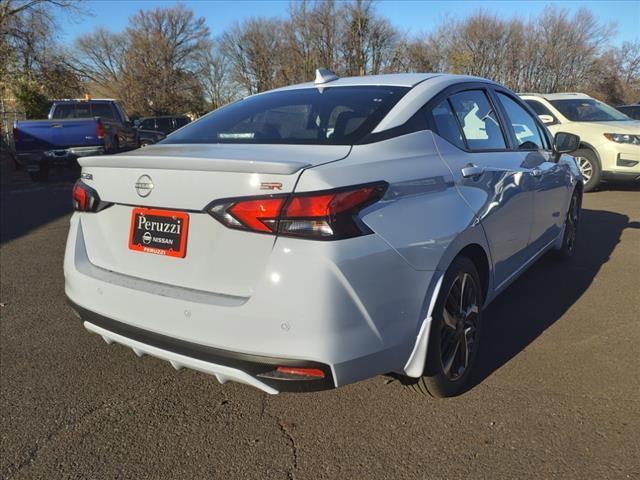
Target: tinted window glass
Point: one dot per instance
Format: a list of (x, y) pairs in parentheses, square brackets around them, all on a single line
[(148, 124), (630, 111), (524, 126), (102, 110), (164, 124), (181, 121), (479, 122), (328, 116), (447, 125), (65, 110), (539, 108), (588, 110)]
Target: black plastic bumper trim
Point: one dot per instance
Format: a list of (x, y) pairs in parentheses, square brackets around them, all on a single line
[(621, 176), (248, 363)]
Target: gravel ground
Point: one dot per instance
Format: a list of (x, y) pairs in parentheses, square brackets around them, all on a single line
[(556, 395)]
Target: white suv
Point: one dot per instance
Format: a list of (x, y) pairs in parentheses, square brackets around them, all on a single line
[(610, 141)]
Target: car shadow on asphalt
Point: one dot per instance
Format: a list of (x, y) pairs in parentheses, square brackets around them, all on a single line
[(26, 206), (542, 295)]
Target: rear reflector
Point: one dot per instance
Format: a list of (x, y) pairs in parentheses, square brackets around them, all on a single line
[(301, 372), (328, 215)]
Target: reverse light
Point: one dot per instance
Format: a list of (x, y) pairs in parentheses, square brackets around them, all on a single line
[(623, 138), (86, 199), (327, 215)]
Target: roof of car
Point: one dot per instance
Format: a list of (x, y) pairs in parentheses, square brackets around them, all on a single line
[(389, 80), (163, 116), (556, 96)]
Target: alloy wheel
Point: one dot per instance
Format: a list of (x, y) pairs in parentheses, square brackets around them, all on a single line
[(586, 168), (458, 330)]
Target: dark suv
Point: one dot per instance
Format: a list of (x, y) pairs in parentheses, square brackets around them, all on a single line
[(631, 111), (165, 124)]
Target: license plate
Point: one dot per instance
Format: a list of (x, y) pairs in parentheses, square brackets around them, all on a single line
[(161, 232)]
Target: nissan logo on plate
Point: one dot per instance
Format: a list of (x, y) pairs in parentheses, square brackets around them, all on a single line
[(144, 185)]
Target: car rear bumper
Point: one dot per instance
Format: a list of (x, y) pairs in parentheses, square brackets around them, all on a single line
[(253, 370), (34, 160), (349, 315)]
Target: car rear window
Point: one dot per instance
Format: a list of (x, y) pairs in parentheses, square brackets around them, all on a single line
[(83, 110), (314, 116)]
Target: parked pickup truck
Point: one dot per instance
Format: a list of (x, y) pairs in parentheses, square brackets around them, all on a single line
[(74, 128)]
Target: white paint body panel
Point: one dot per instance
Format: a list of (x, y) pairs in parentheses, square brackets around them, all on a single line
[(363, 306)]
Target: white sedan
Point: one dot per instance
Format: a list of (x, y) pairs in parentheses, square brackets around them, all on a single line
[(320, 234)]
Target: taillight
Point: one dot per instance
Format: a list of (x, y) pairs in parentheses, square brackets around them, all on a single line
[(328, 215), (86, 199), (99, 130)]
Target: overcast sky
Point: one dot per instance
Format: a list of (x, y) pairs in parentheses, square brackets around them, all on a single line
[(412, 16)]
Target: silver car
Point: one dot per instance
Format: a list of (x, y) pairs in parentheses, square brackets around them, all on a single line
[(319, 234)]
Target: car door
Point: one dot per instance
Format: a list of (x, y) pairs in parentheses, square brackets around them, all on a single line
[(128, 132), (164, 125), (489, 174), (550, 179)]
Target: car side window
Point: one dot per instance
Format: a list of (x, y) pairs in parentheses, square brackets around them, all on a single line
[(525, 127), (164, 124), (446, 124), (148, 124), (540, 108), (181, 121), (479, 121)]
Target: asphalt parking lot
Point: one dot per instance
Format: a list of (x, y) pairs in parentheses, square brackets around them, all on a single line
[(556, 395)]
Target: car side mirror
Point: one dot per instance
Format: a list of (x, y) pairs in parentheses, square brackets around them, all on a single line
[(565, 142), (547, 119)]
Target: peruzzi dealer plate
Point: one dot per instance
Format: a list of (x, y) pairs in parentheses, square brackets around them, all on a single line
[(161, 232)]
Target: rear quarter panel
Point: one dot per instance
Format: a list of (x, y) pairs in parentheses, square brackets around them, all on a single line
[(422, 217)]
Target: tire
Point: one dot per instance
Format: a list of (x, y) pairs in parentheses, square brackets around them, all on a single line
[(116, 145), (571, 224), (590, 168), (145, 143), (443, 376)]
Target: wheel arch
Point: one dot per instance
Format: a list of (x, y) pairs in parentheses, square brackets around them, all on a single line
[(479, 255), (587, 146), (480, 259)]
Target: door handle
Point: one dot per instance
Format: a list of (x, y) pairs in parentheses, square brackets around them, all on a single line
[(472, 170), (536, 172)]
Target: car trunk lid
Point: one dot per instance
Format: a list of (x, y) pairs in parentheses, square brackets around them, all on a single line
[(187, 179)]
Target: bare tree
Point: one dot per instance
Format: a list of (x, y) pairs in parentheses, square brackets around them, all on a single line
[(30, 58), (369, 43), (254, 50), (98, 58)]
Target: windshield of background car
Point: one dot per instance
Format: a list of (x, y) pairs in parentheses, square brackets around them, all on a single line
[(588, 110), (310, 116)]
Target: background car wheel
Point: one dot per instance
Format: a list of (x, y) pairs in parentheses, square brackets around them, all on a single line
[(570, 228), (116, 145), (589, 168), (455, 331), (145, 143)]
